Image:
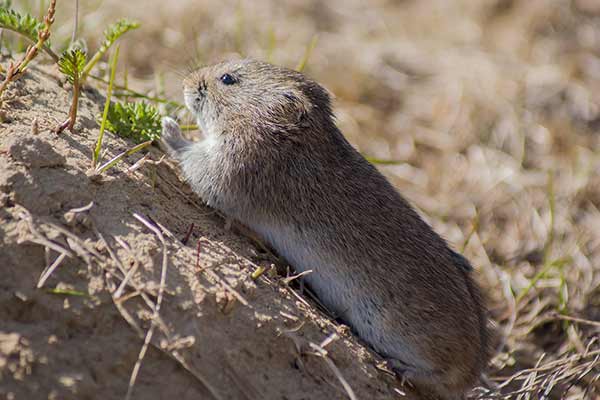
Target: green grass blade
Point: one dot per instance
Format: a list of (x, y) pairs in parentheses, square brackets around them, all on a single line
[(67, 292), (560, 263), (552, 208), (126, 92), (271, 44), (309, 49), (381, 161), (113, 68), (118, 158)]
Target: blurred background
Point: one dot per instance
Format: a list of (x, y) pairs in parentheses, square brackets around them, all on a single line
[(485, 114)]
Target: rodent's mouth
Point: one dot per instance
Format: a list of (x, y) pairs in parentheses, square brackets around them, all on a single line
[(193, 100)]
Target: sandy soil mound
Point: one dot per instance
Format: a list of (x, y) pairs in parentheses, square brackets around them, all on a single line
[(219, 334)]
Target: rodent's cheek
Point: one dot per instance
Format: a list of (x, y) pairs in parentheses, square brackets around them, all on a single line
[(192, 101)]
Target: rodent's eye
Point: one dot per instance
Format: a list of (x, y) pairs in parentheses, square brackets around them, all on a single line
[(227, 79)]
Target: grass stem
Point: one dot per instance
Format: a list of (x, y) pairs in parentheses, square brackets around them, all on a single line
[(113, 68)]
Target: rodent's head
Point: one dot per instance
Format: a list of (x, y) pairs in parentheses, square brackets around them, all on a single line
[(247, 95)]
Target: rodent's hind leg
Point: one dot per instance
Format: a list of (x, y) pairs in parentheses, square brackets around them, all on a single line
[(402, 370), (407, 372), (426, 381), (171, 139)]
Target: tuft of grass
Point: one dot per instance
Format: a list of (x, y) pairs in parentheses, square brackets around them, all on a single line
[(139, 121), (71, 64), (113, 68), (111, 35)]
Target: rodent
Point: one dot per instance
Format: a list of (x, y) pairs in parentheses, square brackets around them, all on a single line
[(273, 159)]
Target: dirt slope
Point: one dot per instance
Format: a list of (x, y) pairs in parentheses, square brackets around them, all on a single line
[(75, 338)]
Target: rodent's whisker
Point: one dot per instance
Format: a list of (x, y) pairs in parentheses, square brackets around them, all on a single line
[(176, 69)]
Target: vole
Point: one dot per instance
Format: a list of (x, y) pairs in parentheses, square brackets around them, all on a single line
[(273, 159)]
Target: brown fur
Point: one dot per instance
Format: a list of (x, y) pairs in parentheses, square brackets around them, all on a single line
[(274, 159)]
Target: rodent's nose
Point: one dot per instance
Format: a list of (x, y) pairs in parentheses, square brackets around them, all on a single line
[(202, 87)]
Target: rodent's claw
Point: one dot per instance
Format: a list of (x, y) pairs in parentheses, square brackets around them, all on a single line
[(171, 140), (170, 124)]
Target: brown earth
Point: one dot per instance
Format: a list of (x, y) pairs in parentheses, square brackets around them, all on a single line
[(75, 338)]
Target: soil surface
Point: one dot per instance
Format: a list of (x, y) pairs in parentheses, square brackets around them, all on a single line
[(76, 332)]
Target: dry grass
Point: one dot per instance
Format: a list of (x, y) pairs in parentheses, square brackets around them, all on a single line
[(490, 112)]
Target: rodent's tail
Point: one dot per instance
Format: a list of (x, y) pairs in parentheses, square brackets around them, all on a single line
[(452, 385), (479, 305)]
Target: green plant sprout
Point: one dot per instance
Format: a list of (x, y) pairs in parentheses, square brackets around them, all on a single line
[(75, 66), (139, 121), (71, 64), (111, 35)]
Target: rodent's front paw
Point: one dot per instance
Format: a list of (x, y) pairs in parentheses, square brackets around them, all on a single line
[(171, 139)]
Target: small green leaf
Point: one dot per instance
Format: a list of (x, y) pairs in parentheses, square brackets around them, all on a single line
[(71, 63), (116, 30), (139, 121), (24, 24)]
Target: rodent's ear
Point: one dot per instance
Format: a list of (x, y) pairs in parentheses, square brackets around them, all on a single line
[(296, 106)]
